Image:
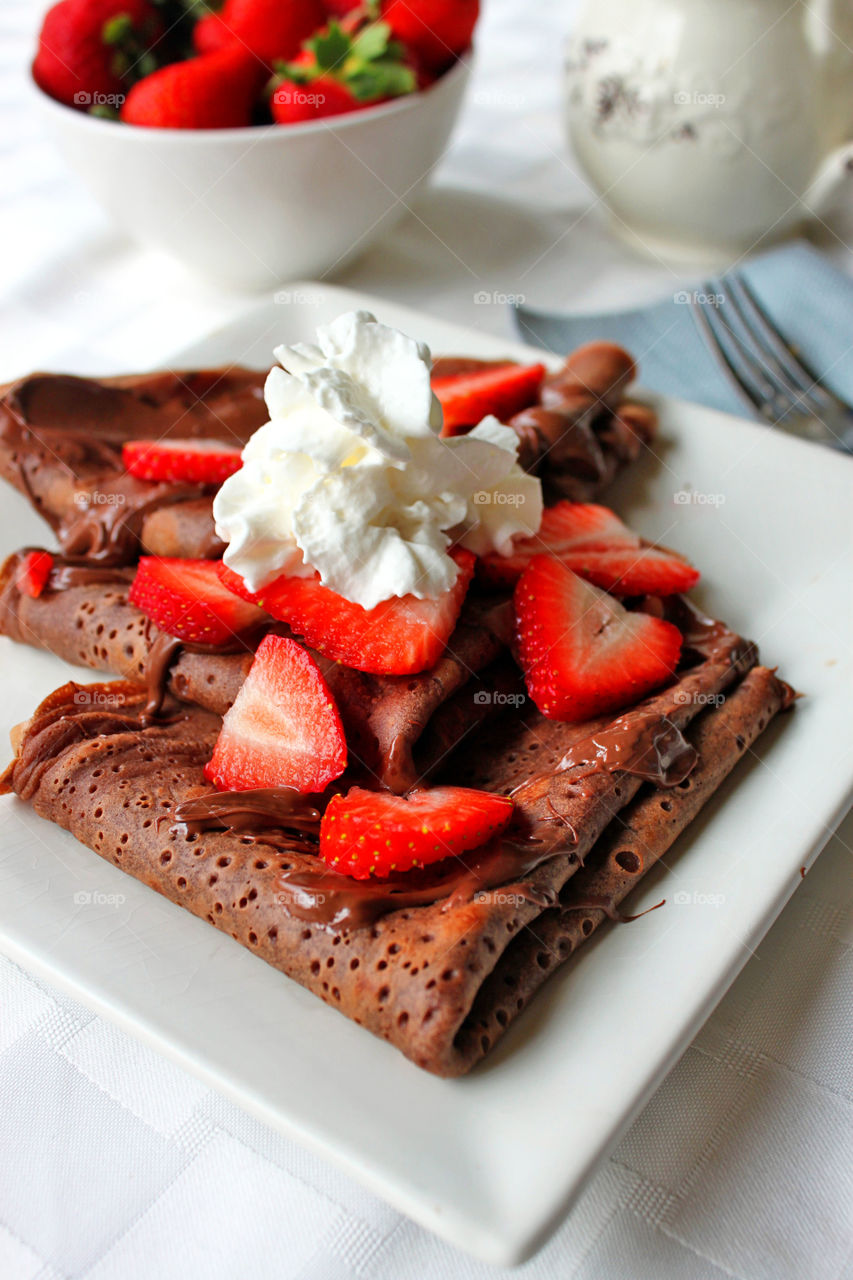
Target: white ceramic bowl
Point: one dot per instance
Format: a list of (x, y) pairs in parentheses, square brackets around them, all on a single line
[(251, 207)]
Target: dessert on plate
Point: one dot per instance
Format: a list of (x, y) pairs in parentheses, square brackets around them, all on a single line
[(62, 440), (432, 714)]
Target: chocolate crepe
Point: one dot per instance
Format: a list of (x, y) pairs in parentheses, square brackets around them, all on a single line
[(61, 438), (60, 445), (441, 961), (85, 617)]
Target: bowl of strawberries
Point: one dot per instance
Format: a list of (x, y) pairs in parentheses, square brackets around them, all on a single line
[(259, 140)]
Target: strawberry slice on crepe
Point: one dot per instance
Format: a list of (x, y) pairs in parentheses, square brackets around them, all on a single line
[(33, 573), (502, 390), (372, 833), (284, 729), (582, 653), (191, 461), (400, 636), (187, 599), (593, 542)]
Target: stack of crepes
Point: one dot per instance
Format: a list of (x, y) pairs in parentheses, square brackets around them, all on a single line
[(440, 960)]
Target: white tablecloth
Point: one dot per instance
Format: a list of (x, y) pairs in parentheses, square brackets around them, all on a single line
[(114, 1164)]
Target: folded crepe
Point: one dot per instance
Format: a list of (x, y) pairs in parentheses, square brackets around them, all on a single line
[(84, 617), (61, 439), (60, 445), (438, 962)]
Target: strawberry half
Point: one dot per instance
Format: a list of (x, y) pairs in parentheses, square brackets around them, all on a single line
[(33, 572), (283, 730), (398, 637), (594, 543), (582, 653), (504, 389), (372, 833), (187, 599), (194, 461)]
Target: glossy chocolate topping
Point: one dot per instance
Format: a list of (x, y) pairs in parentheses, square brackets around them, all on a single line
[(250, 811), (66, 573), (166, 650), (648, 746), (336, 901)]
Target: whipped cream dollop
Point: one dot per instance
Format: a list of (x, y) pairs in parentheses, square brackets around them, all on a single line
[(350, 477)]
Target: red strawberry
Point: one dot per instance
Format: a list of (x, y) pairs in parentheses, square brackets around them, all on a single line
[(271, 29), (214, 91), (283, 730), (210, 34), (340, 69), (398, 637), (187, 599), (372, 833), (33, 572), (582, 653), (504, 389), (81, 54), (193, 461), (594, 543), (340, 8), (437, 30), (291, 103)]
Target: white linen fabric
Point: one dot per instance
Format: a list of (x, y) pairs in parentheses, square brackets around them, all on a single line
[(116, 1165)]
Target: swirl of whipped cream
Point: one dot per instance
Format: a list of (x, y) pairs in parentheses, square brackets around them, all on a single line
[(350, 477)]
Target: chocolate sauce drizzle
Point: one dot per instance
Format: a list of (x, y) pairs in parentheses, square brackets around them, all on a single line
[(646, 745)]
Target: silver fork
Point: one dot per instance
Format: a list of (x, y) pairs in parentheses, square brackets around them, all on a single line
[(771, 378)]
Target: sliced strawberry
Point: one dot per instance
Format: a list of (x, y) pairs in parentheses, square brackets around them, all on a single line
[(594, 543), (33, 572), (504, 389), (187, 599), (582, 653), (193, 461), (398, 637), (372, 833), (283, 730)]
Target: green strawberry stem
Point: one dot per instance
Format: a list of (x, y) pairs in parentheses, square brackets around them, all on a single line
[(370, 64)]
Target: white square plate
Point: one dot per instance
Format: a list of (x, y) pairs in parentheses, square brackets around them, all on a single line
[(492, 1162)]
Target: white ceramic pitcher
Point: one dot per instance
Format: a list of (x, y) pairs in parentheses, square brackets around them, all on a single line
[(707, 126)]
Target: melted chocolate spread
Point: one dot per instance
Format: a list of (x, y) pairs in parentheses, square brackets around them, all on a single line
[(649, 746), (66, 573), (653, 748), (248, 810), (166, 650)]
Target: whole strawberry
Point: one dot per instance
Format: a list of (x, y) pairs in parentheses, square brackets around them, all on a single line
[(215, 91), (293, 103), (269, 28), (338, 71), (436, 31), (340, 8), (90, 50)]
